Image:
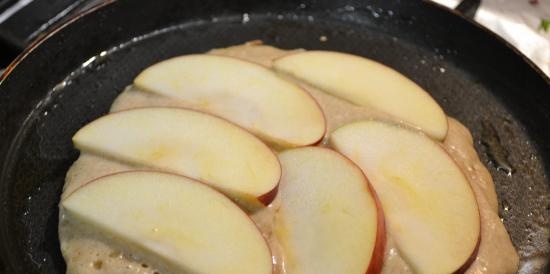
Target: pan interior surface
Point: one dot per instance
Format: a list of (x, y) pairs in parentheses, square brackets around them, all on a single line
[(456, 75)]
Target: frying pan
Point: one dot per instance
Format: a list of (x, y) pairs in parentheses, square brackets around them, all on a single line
[(71, 77)]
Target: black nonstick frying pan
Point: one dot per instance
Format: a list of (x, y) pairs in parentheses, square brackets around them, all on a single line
[(72, 76)]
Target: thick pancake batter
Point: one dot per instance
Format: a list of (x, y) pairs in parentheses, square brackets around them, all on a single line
[(87, 252)]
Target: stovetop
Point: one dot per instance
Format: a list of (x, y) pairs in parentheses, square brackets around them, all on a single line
[(22, 21)]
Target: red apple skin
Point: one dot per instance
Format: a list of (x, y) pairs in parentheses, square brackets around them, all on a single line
[(175, 174), (264, 199), (316, 143), (320, 140), (292, 83), (472, 257), (115, 173), (267, 198), (298, 52), (471, 260), (377, 259), (378, 253), (308, 94)]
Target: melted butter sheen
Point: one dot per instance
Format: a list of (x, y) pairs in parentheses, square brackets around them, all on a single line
[(87, 252)]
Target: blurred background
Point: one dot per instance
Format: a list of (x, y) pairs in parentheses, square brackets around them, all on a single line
[(523, 23)]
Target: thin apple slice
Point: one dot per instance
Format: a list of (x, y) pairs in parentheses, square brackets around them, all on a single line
[(329, 220), (430, 208), (190, 143), (245, 93), (367, 83), (180, 225)]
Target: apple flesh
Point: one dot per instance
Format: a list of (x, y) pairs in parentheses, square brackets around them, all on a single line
[(328, 221), (367, 83), (245, 93), (430, 208), (179, 224), (190, 143)]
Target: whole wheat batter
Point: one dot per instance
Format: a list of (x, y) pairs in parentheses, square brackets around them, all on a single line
[(87, 252)]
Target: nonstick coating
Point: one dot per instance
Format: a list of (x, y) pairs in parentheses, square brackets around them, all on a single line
[(60, 86)]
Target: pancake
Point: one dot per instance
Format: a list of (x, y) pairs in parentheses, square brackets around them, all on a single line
[(88, 252)]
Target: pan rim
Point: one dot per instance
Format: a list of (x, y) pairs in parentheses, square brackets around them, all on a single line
[(36, 44), (105, 3), (40, 40)]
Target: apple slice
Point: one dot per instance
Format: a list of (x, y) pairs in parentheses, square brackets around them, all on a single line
[(367, 83), (190, 143), (329, 220), (245, 93), (178, 224), (430, 208)]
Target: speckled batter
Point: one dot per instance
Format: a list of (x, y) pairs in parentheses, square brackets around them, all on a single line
[(87, 252)]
